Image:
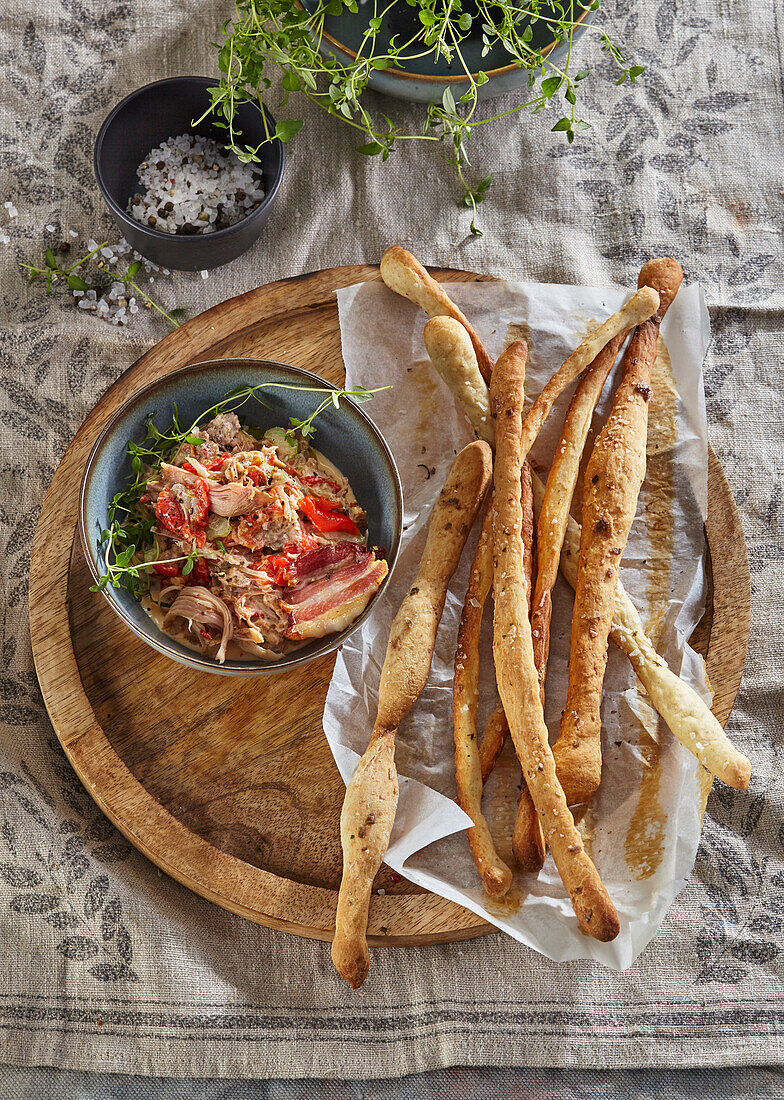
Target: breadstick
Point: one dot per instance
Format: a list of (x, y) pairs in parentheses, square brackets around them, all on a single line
[(404, 274), (638, 309), (690, 719), (496, 732), (613, 478), (527, 839), (452, 353), (561, 483), (518, 684), (496, 876), (527, 844), (371, 796)]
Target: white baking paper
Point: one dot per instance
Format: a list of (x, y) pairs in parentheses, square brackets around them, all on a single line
[(643, 827)]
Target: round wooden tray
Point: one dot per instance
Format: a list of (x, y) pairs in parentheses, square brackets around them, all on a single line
[(228, 785)]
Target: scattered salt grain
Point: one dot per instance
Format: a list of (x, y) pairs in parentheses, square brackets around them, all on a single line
[(190, 185), (72, 233), (204, 274), (49, 228), (12, 211), (4, 238)]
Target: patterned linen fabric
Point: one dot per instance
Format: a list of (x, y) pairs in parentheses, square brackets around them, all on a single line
[(107, 964)]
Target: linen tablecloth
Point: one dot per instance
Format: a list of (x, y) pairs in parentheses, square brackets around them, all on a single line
[(688, 161)]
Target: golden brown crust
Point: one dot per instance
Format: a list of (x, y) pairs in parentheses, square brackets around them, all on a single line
[(496, 876), (413, 632), (366, 822), (639, 308), (496, 730), (613, 478), (527, 839), (688, 716), (371, 796), (452, 354), (559, 491), (518, 684), (404, 274)]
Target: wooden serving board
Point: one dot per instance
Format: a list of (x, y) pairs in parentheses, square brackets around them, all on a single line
[(228, 784)]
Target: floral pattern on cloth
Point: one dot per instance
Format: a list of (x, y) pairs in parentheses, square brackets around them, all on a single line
[(687, 161)]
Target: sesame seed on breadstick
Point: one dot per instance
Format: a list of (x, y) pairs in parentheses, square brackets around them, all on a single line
[(371, 796), (690, 719), (496, 876), (518, 684), (613, 478)]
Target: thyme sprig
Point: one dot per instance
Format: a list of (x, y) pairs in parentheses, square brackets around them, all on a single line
[(53, 272), (129, 541), (265, 35)]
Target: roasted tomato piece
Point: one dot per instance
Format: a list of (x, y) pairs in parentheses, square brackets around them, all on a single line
[(209, 462), (201, 512), (167, 568), (184, 510), (281, 566), (325, 515), (170, 515)]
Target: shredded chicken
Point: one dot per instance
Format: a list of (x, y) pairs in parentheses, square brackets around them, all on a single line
[(201, 608)]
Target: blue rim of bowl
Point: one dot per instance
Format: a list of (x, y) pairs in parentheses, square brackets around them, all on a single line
[(296, 658), (124, 216), (434, 78)]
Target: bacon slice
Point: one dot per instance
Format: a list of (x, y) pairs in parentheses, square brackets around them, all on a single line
[(329, 605), (322, 557)]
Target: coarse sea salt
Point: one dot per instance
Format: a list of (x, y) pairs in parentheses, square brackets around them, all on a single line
[(192, 185)]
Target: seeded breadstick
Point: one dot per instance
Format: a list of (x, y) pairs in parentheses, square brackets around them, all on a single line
[(518, 684), (404, 274), (496, 876), (690, 719), (561, 483), (527, 839), (371, 796), (496, 732), (613, 477), (638, 309), (452, 353)]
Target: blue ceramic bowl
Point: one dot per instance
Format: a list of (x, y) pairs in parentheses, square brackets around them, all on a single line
[(152, 115), (423, 79), (346, 436)]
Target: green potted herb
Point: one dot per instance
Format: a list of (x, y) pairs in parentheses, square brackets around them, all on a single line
[(450, 53)]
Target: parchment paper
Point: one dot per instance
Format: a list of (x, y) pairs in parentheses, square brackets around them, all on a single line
[(643, 827)]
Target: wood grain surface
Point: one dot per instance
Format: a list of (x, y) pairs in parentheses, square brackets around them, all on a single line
[(228, 785)]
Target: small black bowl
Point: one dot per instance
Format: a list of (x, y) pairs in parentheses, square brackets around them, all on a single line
[(152, 115)]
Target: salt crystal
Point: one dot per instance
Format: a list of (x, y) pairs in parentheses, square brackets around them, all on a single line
[(72, 233), (204, 274), (49, 228)]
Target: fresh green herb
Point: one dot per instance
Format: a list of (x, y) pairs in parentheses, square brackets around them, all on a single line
[(53, 272), (130, 546), (276, 34)]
